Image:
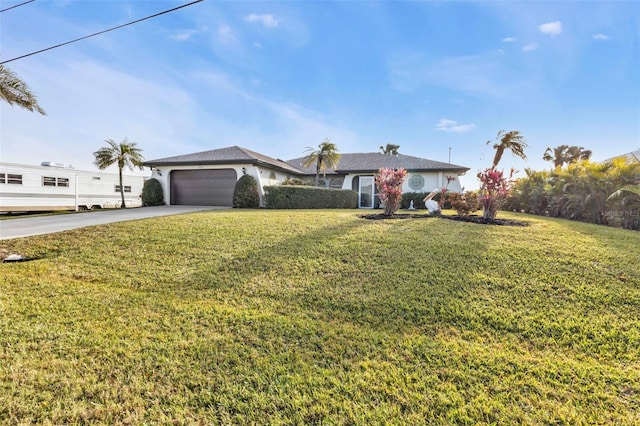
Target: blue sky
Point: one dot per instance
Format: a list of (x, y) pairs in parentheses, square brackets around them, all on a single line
[(277, 77)]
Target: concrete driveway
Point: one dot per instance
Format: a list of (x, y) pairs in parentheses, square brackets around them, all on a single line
[(25, 227)]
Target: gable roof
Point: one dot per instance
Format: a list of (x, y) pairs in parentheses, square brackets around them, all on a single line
[(229, 155), (373, 161)]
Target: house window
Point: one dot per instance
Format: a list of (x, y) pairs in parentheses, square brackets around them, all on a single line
[(55, 181), (127, 188), (11, 179)]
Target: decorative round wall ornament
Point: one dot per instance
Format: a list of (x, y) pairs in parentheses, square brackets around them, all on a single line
[(416, 182)]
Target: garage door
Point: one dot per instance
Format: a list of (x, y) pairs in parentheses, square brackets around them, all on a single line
[(203, 187)]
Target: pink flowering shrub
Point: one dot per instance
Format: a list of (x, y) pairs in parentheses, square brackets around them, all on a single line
[(443, 192), (494, 191), (389, 187)]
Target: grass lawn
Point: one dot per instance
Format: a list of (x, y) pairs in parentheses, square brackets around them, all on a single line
[(321, 317)]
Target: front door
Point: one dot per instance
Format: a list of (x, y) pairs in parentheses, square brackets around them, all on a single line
[(366, 192)]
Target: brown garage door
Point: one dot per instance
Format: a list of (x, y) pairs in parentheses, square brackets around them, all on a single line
[(203, 187)]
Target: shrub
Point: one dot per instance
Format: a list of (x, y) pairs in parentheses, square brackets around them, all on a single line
[(464, 203), (245, 195), (494, 191), (389, 185), (296, 182), (309, 197), (416, 197), (152, 193)]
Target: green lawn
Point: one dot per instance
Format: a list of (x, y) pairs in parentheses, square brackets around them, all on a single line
[(321, 317)]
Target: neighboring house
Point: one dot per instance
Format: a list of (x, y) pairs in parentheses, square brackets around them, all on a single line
[(209, 177), (632, 157)]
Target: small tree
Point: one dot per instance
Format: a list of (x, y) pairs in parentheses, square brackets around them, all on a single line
[(494, 191), (390, 149), (245, 195), (123, 154), (389, 185), (325, 156)]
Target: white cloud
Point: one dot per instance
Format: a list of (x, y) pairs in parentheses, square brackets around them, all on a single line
[(268, 20), (452, 126), (529, 47), (183, 35), (225, 33), (601, 36), (551, 28), (509, 40)]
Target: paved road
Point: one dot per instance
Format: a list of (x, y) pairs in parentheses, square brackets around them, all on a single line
[(24, 227)]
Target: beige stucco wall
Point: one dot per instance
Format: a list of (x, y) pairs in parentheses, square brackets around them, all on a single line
[(432, 180)]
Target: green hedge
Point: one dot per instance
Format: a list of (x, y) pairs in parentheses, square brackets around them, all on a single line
[(417, 198), (309, 197)]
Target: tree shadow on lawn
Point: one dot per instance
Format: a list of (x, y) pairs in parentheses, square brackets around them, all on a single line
[(394, 277), (349, 273)]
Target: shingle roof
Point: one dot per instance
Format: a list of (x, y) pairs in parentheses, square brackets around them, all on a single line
[(229, 155), (372, 161), (349, 163)]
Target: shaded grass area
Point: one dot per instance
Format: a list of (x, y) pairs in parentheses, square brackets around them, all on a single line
[(321, 317)]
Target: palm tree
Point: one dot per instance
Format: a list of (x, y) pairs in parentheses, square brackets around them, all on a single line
[(390, 149), (565, 154), (124, 154), (512, 141), (14, 91), (325, 156), (556, 155), (577, 153)]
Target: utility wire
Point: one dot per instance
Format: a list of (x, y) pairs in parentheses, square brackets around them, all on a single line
[(17, 5), (100, 32)]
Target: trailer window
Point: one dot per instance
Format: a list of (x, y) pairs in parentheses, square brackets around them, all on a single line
[(3, 178), (14, 179), (48, 181), (127, 188), (55, 181)]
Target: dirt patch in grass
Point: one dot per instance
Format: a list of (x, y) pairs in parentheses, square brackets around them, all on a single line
[(470, 218)]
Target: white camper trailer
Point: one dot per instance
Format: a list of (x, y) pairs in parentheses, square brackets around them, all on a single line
[(54, 186)]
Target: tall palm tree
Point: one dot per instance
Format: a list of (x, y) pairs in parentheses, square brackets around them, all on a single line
[(565, 154), (577, 153), (556, 155), (325, 156), (14, 91), (124, 154), (512, 141), (390, 149)]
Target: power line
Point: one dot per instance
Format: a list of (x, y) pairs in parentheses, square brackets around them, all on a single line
[(100, 32), (17, 5)]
